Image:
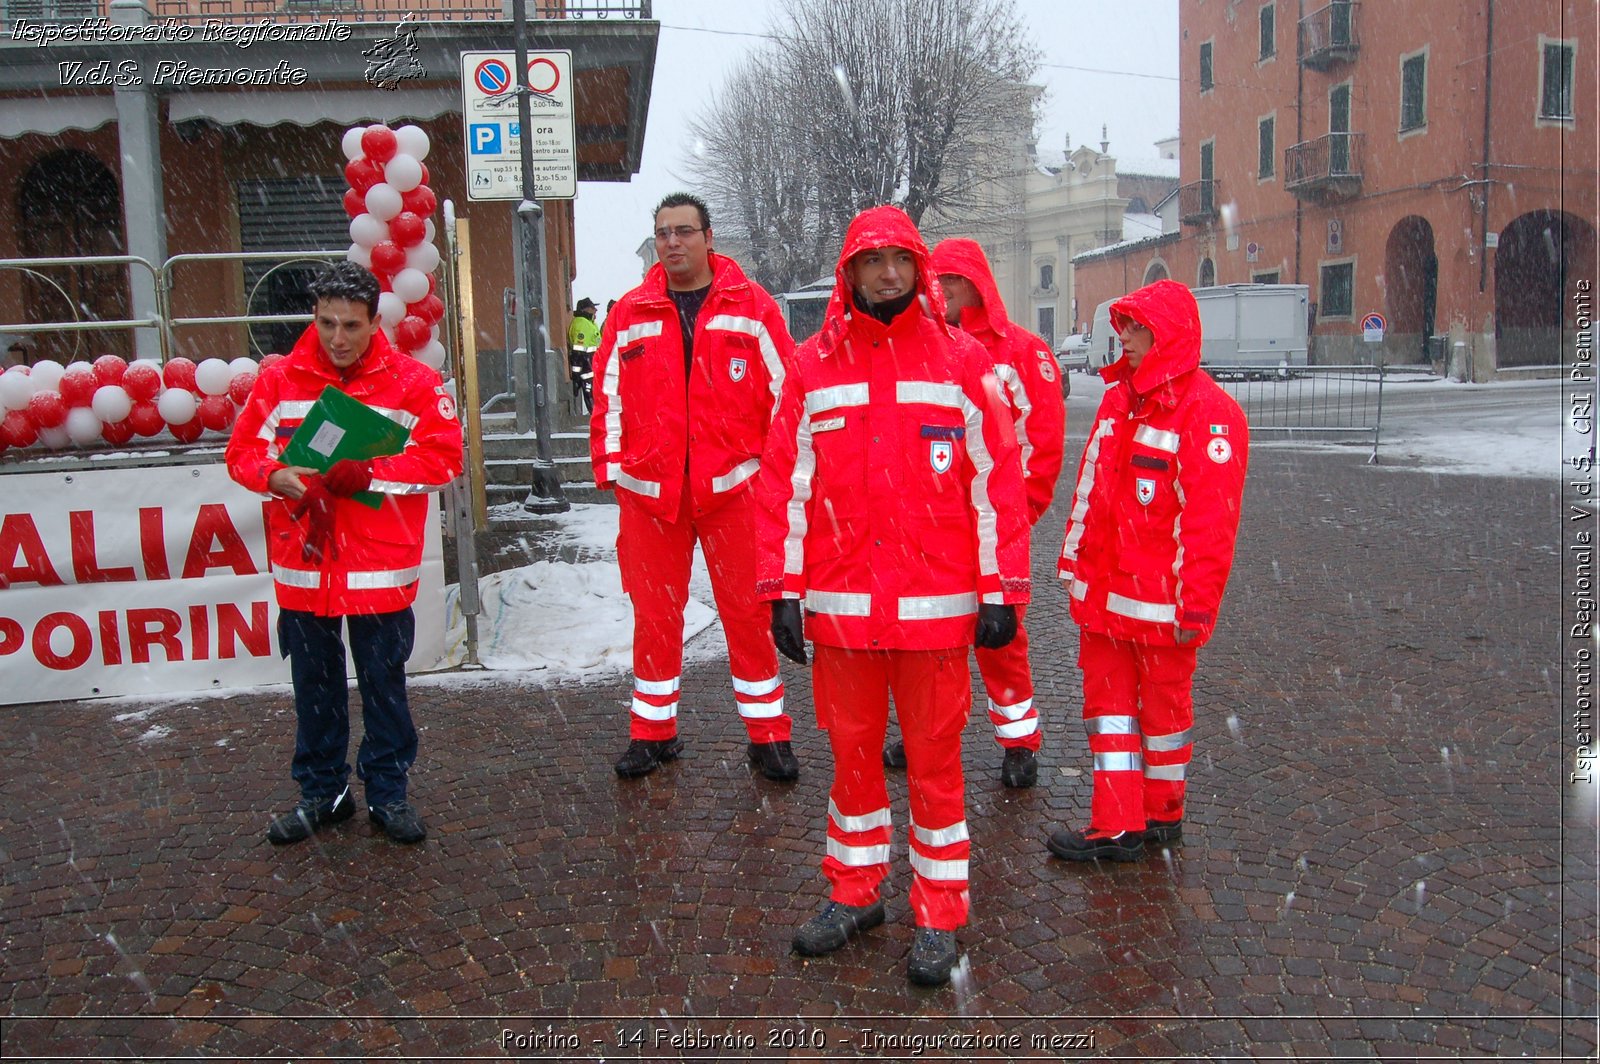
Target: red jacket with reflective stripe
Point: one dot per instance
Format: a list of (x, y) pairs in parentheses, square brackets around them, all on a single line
[(1150, 539), (377, 554), (890, 496), (1026, 368), (649, 428)]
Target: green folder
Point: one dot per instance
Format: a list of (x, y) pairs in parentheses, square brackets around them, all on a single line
[(339, 427)]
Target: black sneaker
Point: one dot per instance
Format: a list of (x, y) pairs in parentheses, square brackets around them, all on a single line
[(310, 815), (1020, 768), (777, 760), (644, 756), (833, 926), (1092, 845), (399, 821), (894, 755), (933, 956), (1163, 832)]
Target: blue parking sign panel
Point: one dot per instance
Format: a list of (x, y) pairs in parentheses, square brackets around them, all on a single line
[(483, 138)]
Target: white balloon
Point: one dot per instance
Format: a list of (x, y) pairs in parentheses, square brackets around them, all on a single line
[(111, 403), (383, 202), (82, 426), (428, 230), (56, 437), (351, 143), (177, 406), (413, 140), (403, 172), (241, 365), (424, 257), (410, 285), (359, 255), (46, 375), (391, 309), (433, 331), (366, 230), (212, 376), (430, 354), (16, 388)]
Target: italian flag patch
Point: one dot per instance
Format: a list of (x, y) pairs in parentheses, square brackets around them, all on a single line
[(1219, 430)]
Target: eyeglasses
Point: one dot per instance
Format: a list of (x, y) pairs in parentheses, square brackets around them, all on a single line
[(682, 232)]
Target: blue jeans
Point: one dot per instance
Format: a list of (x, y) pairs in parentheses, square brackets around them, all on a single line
[(379, 644)]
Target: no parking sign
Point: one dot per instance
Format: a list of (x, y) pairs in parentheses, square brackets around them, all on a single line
[(1372, 327)]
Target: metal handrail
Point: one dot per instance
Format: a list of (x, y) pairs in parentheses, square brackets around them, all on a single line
[(283, 258), (79, 325)]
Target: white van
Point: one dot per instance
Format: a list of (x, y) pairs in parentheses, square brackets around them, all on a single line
[(1248, 325), (1105, 347)]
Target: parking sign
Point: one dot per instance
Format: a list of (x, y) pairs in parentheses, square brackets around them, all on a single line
[(494, 137)]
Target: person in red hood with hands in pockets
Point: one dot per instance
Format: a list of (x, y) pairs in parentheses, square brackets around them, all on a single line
[(1149, 545), (891, 506)]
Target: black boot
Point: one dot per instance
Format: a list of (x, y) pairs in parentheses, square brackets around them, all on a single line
[(644, 756), (777, 760), (933, 956), (833, 926)]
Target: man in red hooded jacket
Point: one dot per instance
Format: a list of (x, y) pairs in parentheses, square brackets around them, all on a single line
[(1029, 381), (335, 562), (891, 505), (1149, 544)]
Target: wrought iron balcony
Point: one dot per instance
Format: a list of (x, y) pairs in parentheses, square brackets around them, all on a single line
[(1197, 201), (1328, 35), (1324, 170)]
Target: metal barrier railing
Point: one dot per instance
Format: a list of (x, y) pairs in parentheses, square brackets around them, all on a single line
[(1321, 402), (282, 258), (33, 267)]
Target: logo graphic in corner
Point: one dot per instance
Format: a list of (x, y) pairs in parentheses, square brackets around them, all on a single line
[(1146, 490), (736, 370), (393, 60), (1219, 450), (1047, 369), (940, 454)]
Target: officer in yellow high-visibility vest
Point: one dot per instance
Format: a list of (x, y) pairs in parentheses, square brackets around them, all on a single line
[(583, 339)]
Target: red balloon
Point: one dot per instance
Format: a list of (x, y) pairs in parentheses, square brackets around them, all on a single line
[(407, 229), (145, 418), (424, 182), (179, 373), (78, 384), (187, 432), (118, 432), (430, 308), (110, 369), (362, 175), (142, 382), (419, 201), (379, 143), (271, 360), (47, 410), (239, 387), (388, 257), (216, 412), (17, 429), (412, 333), (354, 203), (433, 283)]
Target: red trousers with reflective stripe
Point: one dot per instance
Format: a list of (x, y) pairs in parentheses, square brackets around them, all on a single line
[(1008, 680), (655, 557), (932, 697), (1138, 707)]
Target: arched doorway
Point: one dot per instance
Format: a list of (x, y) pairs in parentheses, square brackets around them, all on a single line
[(1207, 275), (69, 205), (1541, 257), (1411, 286), (1156, 271)]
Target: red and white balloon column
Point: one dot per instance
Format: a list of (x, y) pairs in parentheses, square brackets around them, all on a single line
[(391, 232)]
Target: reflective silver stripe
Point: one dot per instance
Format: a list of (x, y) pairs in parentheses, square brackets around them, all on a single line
[(1012, 712), (805, 467), (1160, 439), (1167, 743), (878, 818), (736, 476), (837, 396), (1017, 729), (757, 687), (1159, 612), (840, 603), (1118, 761), (395, 487), (933, 393), (986, 521), (399, 417), (761, 710), (769, 350), (1080, 499), (858, 856), (634, 484), (928, 868), (1080, 588), (1023, 406), (610, 385), (295, 409), (936, 607), (297, 577), (1174, 773), (1111, 725), (656, 687), (377, 579), (956, 832), (649, 712)]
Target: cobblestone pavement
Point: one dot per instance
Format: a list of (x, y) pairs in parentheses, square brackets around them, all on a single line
[(1375, 862)]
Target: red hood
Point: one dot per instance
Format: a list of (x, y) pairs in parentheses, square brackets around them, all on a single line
[(965, 258), (1168, 310), (879, 227)]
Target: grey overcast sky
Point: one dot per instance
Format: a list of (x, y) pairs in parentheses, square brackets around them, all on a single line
[(1111, 62)]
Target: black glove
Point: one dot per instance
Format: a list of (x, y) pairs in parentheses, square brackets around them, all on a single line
[(997, 626), (787, 631)]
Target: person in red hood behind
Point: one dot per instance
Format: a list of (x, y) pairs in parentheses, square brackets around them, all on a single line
[(891, 504), (1149, 544)]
